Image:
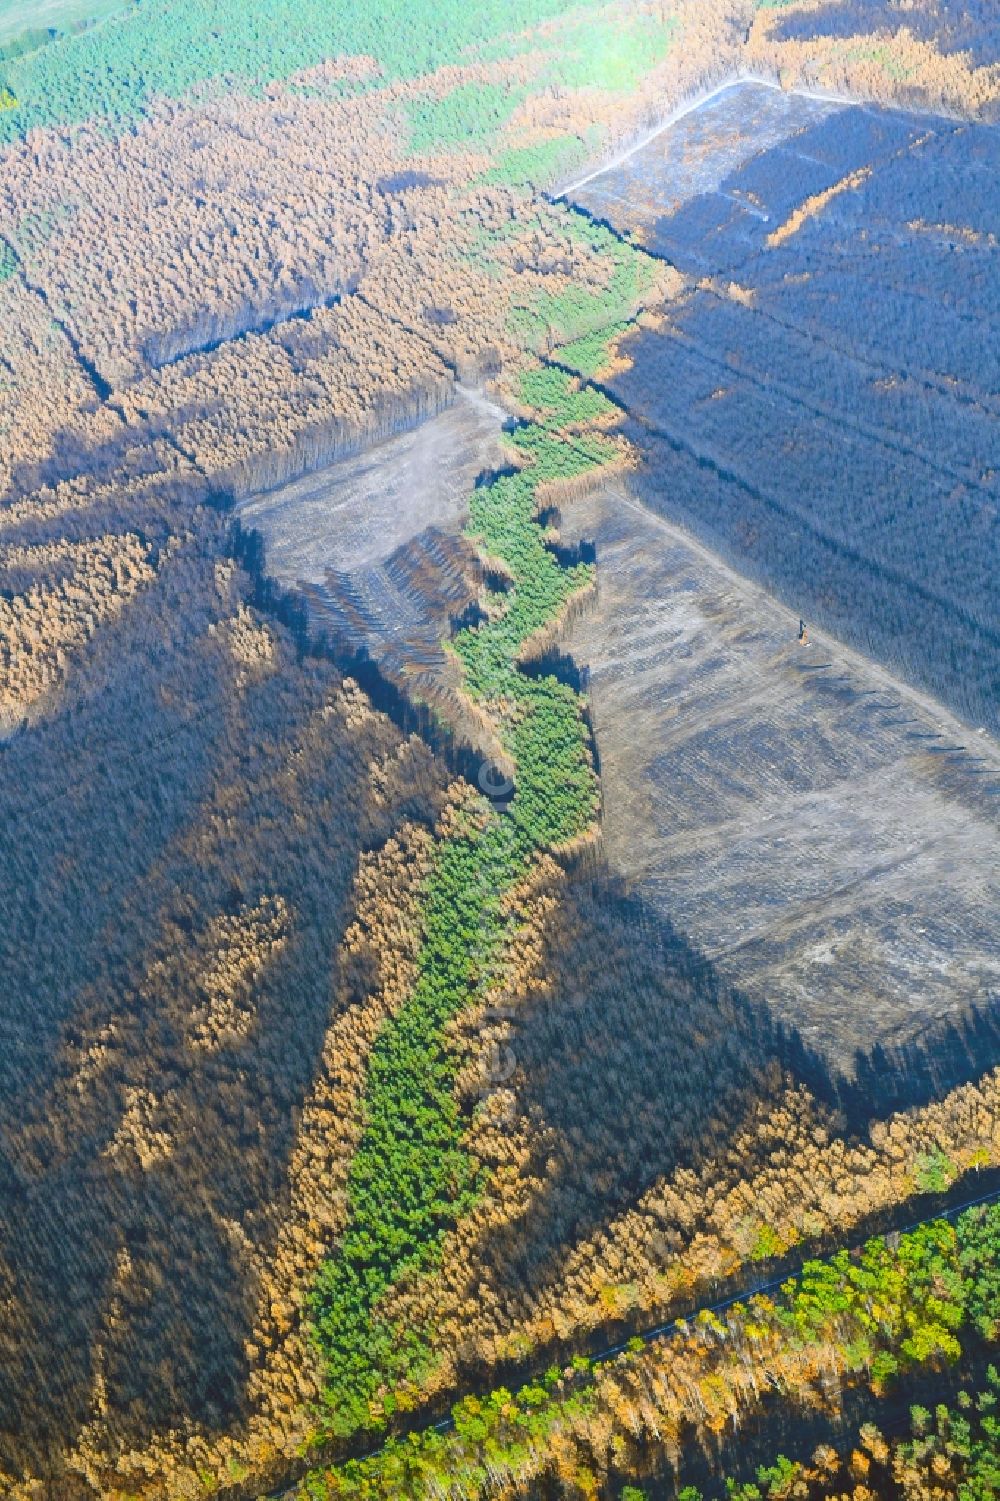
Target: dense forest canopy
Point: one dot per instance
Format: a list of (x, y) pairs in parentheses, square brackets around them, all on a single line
[(152, 51)]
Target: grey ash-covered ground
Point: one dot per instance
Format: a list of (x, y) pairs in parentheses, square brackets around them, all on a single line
[(373, 543), (826, 837), (821, 406)]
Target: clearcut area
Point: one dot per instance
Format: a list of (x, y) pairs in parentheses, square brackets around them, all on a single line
[(826, 836), (373, 546), (820, 404)]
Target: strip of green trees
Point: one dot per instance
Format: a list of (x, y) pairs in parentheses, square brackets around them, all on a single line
[(894, 1307), (411, 1178)]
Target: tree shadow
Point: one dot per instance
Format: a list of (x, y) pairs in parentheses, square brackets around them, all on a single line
[(783, 420), (159, 796), (638, 1061), (969, 27), (635, 1061)]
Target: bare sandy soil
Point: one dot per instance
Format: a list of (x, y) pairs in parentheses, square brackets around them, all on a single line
[(826, 835)]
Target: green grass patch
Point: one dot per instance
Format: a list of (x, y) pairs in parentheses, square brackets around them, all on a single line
[(613, 53), (26, 25), (23, 43), (538, 166)]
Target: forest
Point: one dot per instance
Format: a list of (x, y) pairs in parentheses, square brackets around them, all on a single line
[(895, 1306), (345, 1093)]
